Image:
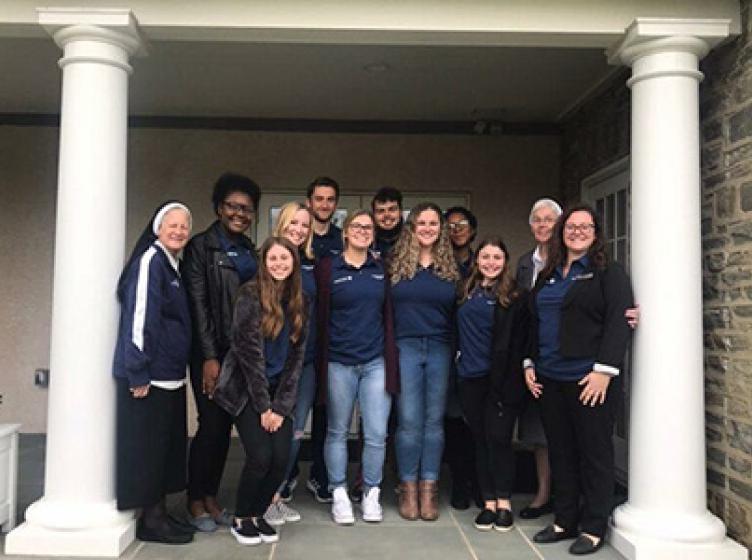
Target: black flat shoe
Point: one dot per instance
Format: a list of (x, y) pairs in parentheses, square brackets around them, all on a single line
[(551, 535), (459, 499), (531, 512), (164, 534), (584, 545)]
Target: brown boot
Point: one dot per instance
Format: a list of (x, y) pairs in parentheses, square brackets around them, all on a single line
[(408, 500), (429, 500)]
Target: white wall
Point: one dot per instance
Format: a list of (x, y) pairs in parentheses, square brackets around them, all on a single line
[(502, 175)]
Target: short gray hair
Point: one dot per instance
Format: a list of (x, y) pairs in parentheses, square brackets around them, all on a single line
[(544, 203)]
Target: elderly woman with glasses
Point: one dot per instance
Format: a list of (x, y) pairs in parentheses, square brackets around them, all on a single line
[(579, 341), (217, 262)]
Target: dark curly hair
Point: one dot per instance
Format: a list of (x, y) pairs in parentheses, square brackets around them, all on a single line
[(229, 183)]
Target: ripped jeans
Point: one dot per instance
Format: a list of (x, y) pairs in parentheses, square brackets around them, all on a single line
[(303, 405)]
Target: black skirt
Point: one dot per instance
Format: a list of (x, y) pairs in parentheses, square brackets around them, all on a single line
[(151, 445)]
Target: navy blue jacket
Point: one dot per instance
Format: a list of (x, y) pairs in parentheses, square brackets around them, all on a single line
[(154, 335)]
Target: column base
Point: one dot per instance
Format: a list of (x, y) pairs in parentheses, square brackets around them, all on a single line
[(638, 547), (105, 541)]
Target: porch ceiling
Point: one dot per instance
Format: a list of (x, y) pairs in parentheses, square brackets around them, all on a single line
[(319, 81)]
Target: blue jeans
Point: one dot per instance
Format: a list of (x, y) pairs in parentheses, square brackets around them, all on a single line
[(366, 383), (303, 405), (424, 373)]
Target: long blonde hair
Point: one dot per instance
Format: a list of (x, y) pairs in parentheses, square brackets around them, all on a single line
[(273, 293), (405, 256), (286, 215)]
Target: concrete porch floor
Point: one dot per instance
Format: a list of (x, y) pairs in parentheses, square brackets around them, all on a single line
[(316, 537)]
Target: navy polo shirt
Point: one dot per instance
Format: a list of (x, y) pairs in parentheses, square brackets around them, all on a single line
[(356, 322), (275, 351), (550, 363), (424, 306), (309, 289), (466, 267), (475, 320), (329, 244), (241, 256)]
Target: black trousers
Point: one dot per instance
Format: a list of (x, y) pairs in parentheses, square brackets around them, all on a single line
[(492, 427), (459, 449), (208, 452), (581, 453), (266, 457), (151, 444), (318, 437)]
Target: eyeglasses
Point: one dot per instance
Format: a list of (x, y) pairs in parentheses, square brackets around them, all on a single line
[(583, 228), (239, 208), (458, 226), (365, 228)]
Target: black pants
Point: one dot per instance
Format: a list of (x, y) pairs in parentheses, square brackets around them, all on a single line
[(151, 442), (459, 450), (208, 453), (318, 437), (581, 453), (492, 427), (266, 457)]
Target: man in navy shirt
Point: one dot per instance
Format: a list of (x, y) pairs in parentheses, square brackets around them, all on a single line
[(321, 198), (387, 211)]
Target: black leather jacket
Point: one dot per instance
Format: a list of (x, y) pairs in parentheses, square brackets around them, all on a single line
[(212, 283)]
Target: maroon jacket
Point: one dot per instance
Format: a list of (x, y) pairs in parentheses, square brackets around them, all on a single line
[(323, 274)]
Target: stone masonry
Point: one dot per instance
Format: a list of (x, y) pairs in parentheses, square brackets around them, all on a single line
[(596, 135)]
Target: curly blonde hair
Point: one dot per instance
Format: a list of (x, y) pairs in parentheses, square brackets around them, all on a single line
[(405, 257), (286, 215)]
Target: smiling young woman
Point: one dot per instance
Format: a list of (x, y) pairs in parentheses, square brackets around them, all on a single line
[(580, 338), (423, 274), (217, 261), (258, 384), (356, 361), (492, 330)]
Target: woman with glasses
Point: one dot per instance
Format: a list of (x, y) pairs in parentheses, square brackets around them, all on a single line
[(258, 384), (492, 325), (294, 224), (152, 351), (217, 262), (580, 338), (423, 274), (356, 360)]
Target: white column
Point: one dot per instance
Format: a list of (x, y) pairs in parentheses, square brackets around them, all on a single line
[(77, 515), (666, 516)]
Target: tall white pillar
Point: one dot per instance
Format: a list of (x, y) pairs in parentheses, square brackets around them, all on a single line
[(666, 516), (77, 515)]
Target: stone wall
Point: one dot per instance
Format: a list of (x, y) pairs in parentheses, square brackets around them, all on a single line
[(726, 113), (596, 135)]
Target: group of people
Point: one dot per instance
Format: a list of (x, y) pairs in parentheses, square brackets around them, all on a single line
[(399, 316)]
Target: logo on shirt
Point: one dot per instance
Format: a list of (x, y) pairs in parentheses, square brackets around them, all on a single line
[(586, 276), (377, 276), (342, 280), (307, 267), (175, 283), (232, 253)]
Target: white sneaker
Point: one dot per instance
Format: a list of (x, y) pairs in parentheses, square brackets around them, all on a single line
[(290, 515), (342, 511), (371, 507), (274, 515)]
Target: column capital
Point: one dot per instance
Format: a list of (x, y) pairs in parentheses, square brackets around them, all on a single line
[(115, 26), (655, 35)]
